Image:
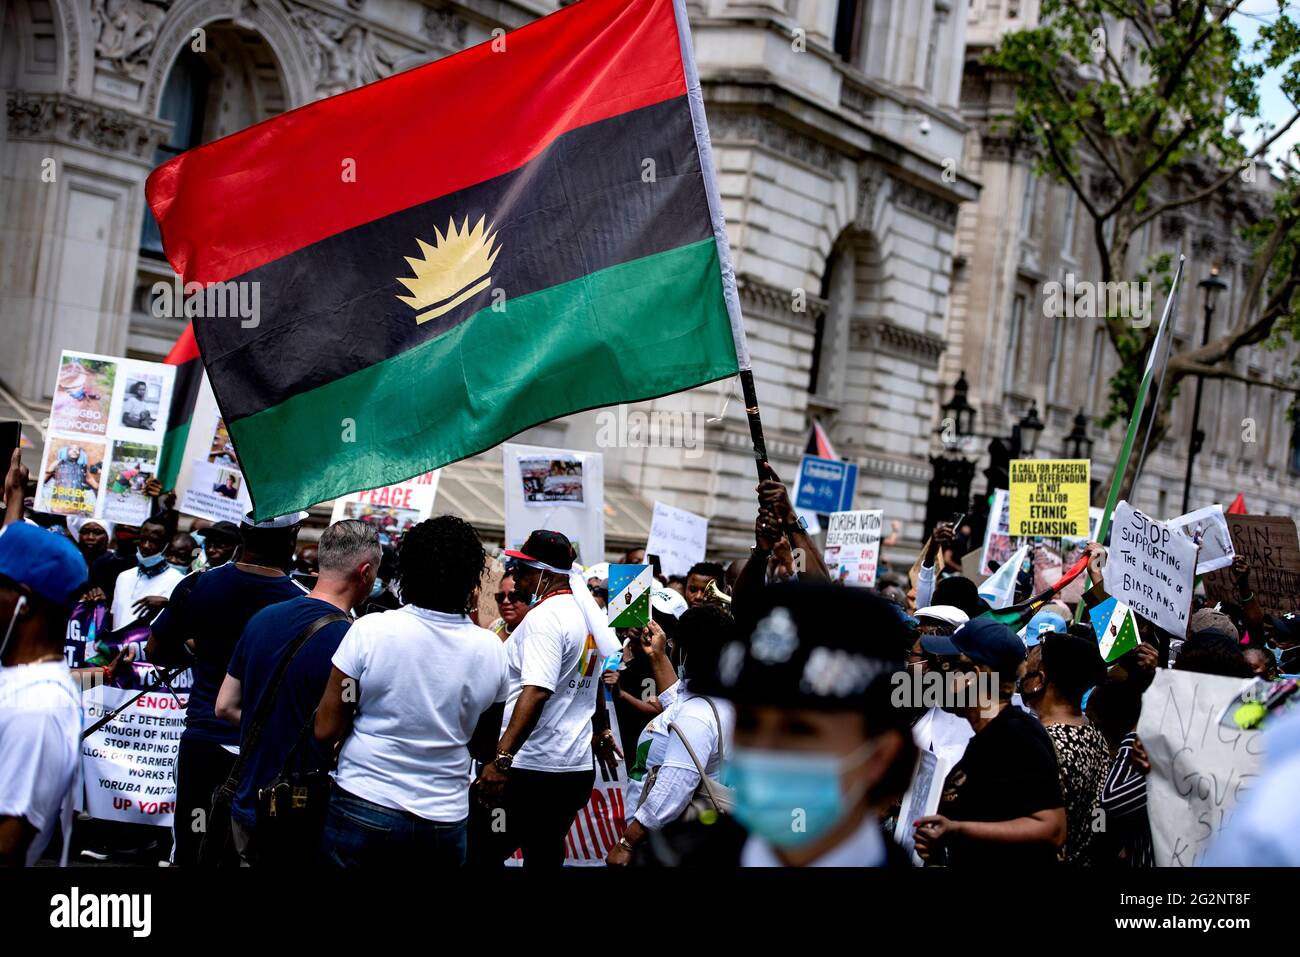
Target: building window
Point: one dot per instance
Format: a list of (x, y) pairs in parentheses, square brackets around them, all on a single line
[(1293, 458), (1097, 369), (1011, 371), (1067, 230), (183, 101), (1054, 360), (1027, 210), (846, 29)]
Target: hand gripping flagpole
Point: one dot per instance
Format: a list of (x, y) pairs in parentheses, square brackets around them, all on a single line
[(695, 97)]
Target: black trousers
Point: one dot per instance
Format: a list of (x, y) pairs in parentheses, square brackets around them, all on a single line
[(535, 815), (201, 768)]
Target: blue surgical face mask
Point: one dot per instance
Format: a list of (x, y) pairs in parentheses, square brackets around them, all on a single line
[(150, 561), (790, 798), (199, 539)]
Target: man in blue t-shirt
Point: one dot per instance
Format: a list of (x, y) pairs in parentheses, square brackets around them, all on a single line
[(201, 630), (349, 559)]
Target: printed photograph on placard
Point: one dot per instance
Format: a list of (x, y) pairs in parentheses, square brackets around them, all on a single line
[(227, 484), (552, 481), (82, 395), (130, 466), (141, 401), (71, 476), (222, 451), (391, 521)]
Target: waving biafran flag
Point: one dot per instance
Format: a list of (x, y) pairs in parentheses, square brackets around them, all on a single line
[(526, 229)]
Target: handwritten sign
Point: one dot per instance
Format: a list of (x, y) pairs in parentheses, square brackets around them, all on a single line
[(1199, 769), (1208, 528), (1049, 497), (1151, 569), (853, 546), (678, 537), (1268, 543)]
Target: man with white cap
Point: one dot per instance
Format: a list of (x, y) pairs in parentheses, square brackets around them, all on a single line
[(202, 630), (543, 771)]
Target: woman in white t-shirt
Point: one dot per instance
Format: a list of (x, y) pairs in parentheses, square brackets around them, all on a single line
[(406, 692), (663, 774)]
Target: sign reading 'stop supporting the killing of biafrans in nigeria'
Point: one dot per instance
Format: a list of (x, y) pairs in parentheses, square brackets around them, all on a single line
[(1049, 498)]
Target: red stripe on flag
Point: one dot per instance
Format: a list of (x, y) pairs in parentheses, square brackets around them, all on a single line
[(183, 349), (274, 188)]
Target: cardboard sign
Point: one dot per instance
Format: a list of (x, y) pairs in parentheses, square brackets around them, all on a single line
[(127, 765), (392, 509), (210, 482), (1208, 528), (558, 489), (853, 546), (1199, 769), (1268, 543), (1049, 498), (1151, 568), (107, 422), (825, 486), (678, 537), (998, 545)]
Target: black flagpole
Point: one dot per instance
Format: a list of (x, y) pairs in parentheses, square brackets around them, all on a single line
[(755, 424)]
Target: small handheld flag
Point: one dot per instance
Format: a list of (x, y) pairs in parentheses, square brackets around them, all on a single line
[(1116, 627), (629, 595)]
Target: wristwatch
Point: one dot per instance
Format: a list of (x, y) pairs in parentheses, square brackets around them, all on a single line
[(504, 760)]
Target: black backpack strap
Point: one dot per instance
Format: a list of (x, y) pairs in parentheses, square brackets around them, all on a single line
[(227, 790)]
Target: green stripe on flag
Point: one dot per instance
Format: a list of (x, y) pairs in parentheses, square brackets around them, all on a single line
[(635, 331)]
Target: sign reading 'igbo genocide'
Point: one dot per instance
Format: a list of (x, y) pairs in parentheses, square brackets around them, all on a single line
[(1151, 568), (1049, 498)]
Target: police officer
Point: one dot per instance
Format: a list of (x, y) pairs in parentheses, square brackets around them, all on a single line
[(819, 749)]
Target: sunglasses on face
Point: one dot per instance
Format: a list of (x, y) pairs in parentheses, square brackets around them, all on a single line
[(517, 596)]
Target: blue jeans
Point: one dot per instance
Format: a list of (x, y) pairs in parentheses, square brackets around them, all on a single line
[(360, 833)]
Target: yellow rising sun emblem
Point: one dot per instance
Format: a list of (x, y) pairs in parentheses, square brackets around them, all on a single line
[(452, 270)]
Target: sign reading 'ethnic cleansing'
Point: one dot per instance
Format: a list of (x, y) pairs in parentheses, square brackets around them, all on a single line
[(1049, 498), (1151, 568)]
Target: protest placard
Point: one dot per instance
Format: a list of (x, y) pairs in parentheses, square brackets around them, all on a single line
[(1151, 569), (210, 483), (1199, 769), (107, 421), (678, 537), (391, 509), (921, 800), (998, 545), (629, 595), (558, 489), (1208, 528), (127, 766), (1049, 498), (853, 546), (1268, 544)]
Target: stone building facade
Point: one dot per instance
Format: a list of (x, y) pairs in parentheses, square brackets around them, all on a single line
[(835, 126), (1025, 232)]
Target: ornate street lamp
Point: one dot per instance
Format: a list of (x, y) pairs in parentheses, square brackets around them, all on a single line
[(959, 409), (1077, 443), (1025, 433)]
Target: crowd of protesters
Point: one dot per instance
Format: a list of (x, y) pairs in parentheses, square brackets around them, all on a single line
[(350, 705)]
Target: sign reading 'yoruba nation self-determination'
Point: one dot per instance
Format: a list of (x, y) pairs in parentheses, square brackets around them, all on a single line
[(1049, 498)]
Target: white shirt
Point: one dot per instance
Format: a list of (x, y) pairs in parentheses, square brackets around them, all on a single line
[(864, 848), (552, 649), (944, 733), (40, 748), (425, 678), (678, 777), (132, 586)]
